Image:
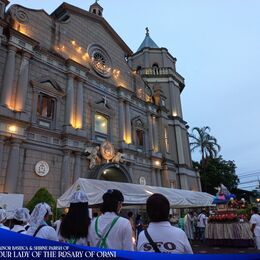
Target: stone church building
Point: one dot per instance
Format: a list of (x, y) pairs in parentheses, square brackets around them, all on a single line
[(76, 101)]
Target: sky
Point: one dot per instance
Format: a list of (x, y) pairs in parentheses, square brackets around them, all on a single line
[(217, 46)]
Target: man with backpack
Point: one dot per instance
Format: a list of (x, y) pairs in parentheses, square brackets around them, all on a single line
[(110, 230)]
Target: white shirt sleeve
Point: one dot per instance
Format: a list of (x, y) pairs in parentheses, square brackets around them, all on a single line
[(253, 219)]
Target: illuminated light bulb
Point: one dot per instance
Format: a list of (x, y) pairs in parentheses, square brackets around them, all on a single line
[(98, 117), (73, 42), (157, 163), (103, 124), (12, 128)]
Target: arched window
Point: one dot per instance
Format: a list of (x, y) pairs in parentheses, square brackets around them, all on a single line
[(155, 68), (138, 132)]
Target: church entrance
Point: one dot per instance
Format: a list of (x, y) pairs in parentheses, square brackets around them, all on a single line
[(114, 172)]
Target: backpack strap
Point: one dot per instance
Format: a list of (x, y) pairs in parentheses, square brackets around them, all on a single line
[(155, 247), (72, 241), (38, 229), (102, 242), (26, 227)]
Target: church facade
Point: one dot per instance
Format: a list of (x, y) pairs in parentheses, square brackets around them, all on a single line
[(77, 102)]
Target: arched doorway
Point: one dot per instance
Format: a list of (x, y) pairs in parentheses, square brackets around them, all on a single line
[(112, 172)]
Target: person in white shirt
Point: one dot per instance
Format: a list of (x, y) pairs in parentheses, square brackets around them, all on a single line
[(255, 226), (2, 219), (189, 225), (110, 230), (57, 223), (160, 235), (38, 226), (20, 219), (201, 224), (74, 227)]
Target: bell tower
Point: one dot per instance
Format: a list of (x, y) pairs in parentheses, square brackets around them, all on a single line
[(157, 67), (96, 9)]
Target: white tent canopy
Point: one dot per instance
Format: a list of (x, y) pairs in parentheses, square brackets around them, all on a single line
[(135, 194)]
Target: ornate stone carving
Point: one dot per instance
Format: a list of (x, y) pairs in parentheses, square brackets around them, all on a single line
[(118, 158), (41, 168), (19, 14), (92, 156), (107, 150)]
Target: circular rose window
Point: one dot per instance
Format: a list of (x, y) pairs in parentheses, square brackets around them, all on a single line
[(100, 60)]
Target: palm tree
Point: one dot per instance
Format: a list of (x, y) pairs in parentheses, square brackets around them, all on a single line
[(207, 145)]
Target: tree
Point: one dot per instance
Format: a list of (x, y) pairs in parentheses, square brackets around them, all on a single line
[(206, 143), (42, 195), (218, 171)]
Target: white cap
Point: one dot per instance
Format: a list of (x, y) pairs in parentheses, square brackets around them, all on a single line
[(2, 215), (39, 212), (22, 214), (79, 197)]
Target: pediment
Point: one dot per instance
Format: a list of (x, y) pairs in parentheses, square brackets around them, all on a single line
[(78, 11), (48, 85)]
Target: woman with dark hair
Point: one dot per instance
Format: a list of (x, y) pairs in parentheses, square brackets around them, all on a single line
[(160, 235), (74, 226), (110, 230)]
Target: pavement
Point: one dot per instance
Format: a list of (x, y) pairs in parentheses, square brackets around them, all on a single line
[(199, 248)]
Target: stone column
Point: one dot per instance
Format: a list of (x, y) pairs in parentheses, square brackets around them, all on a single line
[(159, 179), (150, 133), (121, 121), (155, 134), (22, 84), (8, 81), (179, 145), (165, 176), (69, 117), (128, 134), (172, 99), (65, 171), (77, 168), (198, 181), (12, 167), (79, 113), (2, 141), (146, 59), (153, 172)]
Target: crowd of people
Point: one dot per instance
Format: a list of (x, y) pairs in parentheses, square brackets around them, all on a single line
[(164, 234)]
